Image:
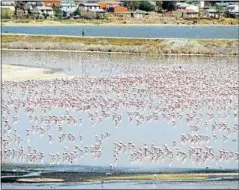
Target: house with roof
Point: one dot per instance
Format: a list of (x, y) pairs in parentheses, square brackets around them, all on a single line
[(233, 10), (212, 13), (42, 10), (51, 3), (8, 5), (88, 6), (180, 5), (90, 10), (105, 5), (139, 14), (68, 8), (118, 9), (24, 7), (191, 11)]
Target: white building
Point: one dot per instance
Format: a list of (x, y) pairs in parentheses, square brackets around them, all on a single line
[(43, 9), (233, 9), (182, 5), (192, 8), (68, 8), (202, 4), (89, 6), (8, 5)]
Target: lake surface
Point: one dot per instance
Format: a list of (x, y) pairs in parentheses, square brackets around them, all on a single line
[(200, 32), (160, 132), (216, 77), (128, 185)]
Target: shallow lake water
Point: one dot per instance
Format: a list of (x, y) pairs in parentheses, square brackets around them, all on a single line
[(161, 132), (129, 185), (150, 86), (223, 32)]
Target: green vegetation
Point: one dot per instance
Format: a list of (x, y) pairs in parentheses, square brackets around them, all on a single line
[(159, 6), (78, 12), (7, 13), (141, 5), (146, 6), (57, 12), (131, 5), (169, 5), (123, 45)]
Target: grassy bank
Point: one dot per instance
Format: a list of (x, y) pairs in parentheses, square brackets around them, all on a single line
[(124, 45), (157, 177)]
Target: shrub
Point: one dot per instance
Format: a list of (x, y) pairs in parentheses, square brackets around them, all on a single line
[(105, 17), (41, 16), (58, 13), (78, 12), (7, 13), (146, 6), (142, 5)]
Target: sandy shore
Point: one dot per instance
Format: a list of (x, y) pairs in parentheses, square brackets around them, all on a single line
[(21, 73), (39, 180)]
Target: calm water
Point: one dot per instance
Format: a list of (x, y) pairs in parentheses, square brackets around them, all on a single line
[(225, 32), (95, 65), (106, 65), (128, 185)]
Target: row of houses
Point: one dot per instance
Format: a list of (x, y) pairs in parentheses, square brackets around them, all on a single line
[(70, 7), (67, 7), (205, 11)]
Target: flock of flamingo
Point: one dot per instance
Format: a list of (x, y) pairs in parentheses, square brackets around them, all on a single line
[(201, 98)]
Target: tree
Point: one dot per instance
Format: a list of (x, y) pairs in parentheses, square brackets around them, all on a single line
[(131, 5), (142, 5), (159, 5), (146, 6), (78, 12), (169, 5), (57, 12), (220, 10)]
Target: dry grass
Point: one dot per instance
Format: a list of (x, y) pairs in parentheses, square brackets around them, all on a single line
[(157, 177), (180, 176), (124, 45), (183, 176), (152, 18)]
